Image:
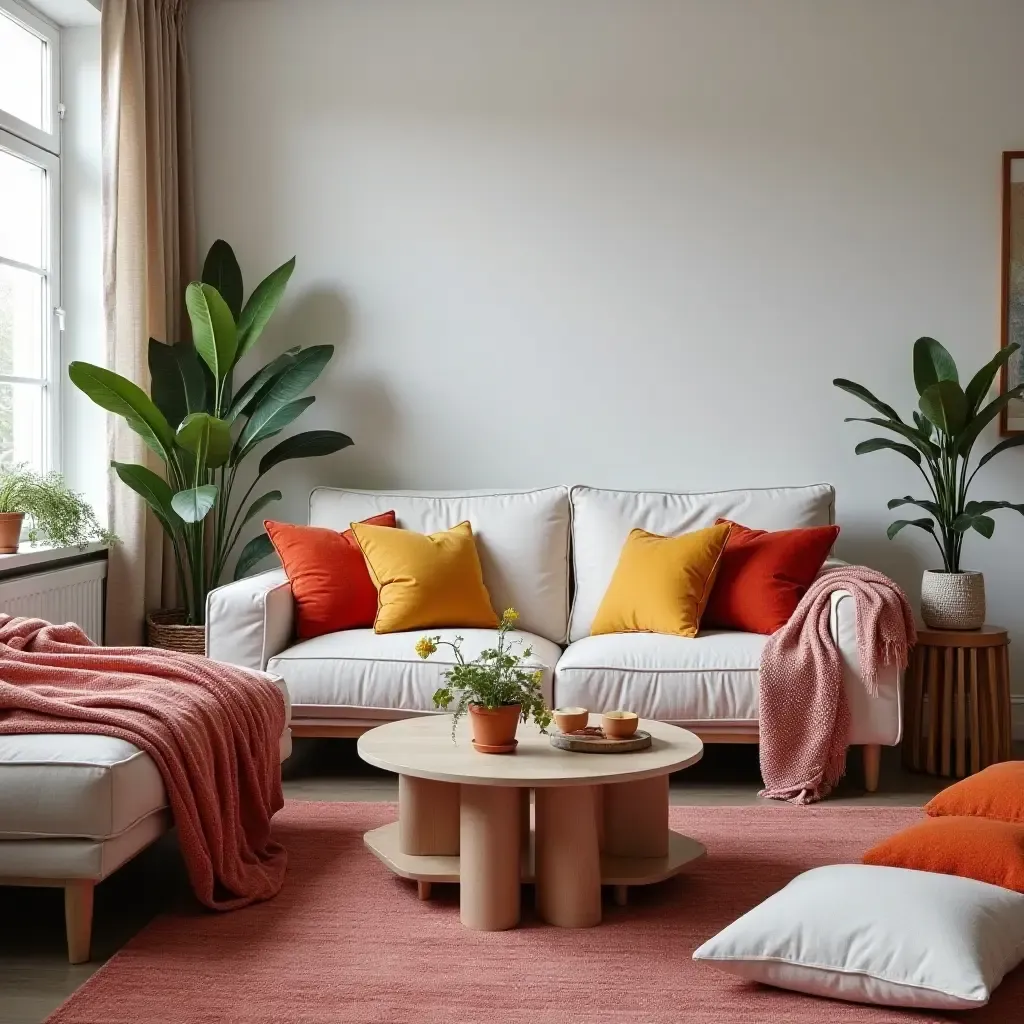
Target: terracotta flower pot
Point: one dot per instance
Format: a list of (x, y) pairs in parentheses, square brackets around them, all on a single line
[(494, 729), (10, 531)]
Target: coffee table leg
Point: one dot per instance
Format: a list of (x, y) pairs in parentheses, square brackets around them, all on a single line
[(428, 816), (568, 861), (636, 818), (489, 857)]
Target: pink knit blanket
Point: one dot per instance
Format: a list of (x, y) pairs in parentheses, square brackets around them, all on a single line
[(213, 730), (804, 713)]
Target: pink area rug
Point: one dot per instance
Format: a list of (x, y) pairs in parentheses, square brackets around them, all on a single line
[(346, 941)]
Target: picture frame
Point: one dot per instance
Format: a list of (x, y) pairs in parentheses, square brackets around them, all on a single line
[(1011, 419)]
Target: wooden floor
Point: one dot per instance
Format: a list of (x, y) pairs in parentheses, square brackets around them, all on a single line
[(35, 976)]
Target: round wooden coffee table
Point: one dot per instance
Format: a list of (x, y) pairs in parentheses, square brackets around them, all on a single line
[(599, 819)]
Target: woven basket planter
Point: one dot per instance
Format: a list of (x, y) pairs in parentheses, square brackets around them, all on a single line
[(953, 600), (167, 629)]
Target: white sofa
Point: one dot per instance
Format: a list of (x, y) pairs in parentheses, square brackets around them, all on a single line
[(74, 808), (550, 553)]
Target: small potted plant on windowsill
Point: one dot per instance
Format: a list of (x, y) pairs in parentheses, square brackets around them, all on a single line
[(56, 514), (494, 688), (940, 442)]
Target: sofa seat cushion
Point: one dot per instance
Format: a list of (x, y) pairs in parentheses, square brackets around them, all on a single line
[(363, 669), (713, 676), (82, 786)]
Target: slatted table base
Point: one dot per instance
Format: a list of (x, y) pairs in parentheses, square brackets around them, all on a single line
[(957, 702)]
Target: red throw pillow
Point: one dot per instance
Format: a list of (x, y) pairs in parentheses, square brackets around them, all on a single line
[(762, 576), (996, 792), (981, 848), (330, 582)]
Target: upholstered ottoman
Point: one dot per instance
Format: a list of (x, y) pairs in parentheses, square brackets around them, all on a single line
[(74, 808)]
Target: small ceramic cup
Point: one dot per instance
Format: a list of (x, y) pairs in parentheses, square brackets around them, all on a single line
[(571, 719), (619, 725)]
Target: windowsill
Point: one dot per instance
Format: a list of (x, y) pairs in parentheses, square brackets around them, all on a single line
[(31, 556)]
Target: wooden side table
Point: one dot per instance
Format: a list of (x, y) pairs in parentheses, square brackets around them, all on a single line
[(957, 701)]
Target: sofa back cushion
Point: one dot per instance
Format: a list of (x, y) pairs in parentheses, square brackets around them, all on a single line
[(602, 519), (522, 538)]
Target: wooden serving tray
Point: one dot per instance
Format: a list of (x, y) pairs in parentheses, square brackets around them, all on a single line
[(581, 744)]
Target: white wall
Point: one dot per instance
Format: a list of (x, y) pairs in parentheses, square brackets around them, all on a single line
[(84, 442), (622, 243)]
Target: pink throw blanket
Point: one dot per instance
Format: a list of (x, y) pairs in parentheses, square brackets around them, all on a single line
[(804, 714), (213, 730)]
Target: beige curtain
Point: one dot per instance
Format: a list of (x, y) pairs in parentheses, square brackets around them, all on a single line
[(149, 255)]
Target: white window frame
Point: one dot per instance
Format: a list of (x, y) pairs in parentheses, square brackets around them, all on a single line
[(42, 148)]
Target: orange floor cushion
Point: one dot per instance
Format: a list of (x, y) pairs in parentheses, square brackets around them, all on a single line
[(996, 792), (980, 848)]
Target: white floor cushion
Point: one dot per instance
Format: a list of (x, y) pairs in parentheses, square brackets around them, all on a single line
[(668, 678), (878, 935), (358, 668)]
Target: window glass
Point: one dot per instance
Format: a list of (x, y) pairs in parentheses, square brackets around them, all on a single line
[(22, 72), (22, 197), (21, 424), (21, 323)]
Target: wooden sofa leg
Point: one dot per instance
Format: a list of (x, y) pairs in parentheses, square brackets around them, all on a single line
[(78, 918), (872, 761)]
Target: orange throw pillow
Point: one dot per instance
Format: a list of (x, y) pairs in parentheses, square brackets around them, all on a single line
[(980, 848), (762, 576), (996, 792), (330, 582)]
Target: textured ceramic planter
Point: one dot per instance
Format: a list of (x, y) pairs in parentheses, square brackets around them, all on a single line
[(494, 729), (10, 531), (953, 600)]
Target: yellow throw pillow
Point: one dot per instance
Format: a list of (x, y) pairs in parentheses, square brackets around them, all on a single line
[(425, 581), (661, 584)]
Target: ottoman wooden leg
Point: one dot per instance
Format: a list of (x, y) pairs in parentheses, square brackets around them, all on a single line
[(567, 858), (78, 895), (872, 764)]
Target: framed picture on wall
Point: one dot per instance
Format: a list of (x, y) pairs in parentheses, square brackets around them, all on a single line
[(1012, 313)]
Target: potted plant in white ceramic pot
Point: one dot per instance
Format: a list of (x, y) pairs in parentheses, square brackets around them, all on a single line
[(940, 443), (495, 688), (56, 514)]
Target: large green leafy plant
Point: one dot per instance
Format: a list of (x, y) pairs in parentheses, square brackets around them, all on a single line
[(940, 442), (203, 428)]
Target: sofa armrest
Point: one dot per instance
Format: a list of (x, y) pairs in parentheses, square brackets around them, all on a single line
[(873, 720), (250, 620)]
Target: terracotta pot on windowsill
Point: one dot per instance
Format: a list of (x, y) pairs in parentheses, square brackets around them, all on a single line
[(494, 729), (10, 532)]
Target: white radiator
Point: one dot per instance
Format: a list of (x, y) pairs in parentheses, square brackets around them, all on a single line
[(74, 594)]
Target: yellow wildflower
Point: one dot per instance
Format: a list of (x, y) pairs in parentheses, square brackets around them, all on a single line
[(425, 646), (510, 615), (538, 676)]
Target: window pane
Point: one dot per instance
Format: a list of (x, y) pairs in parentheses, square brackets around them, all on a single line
[(21, 424), (22, 206), (21, 323), (22, 67)]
